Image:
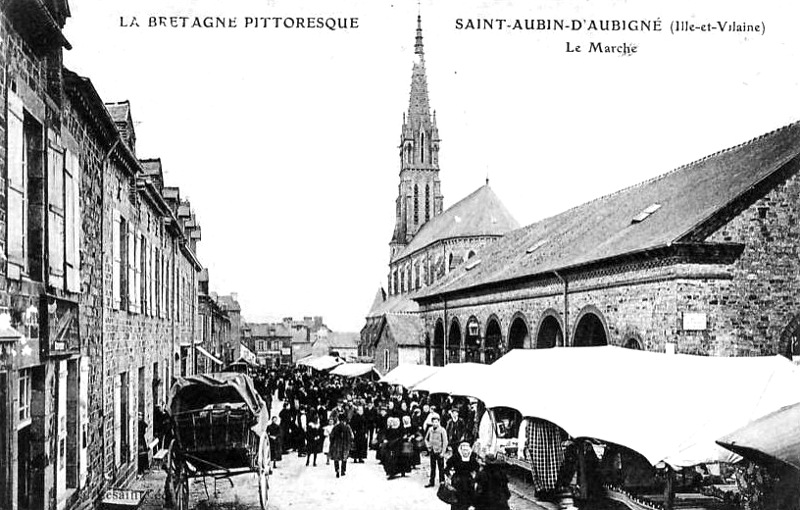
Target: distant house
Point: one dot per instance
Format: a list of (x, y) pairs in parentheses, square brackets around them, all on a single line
[(344, 345), (399, 339)]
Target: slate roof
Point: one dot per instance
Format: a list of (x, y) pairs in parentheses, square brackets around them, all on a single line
[(228, 303), (346, 340), (380, 298), (690, 197), (299, 335), (398, 303), (480, 213), (263, 330), (406, 329), (120, 111)]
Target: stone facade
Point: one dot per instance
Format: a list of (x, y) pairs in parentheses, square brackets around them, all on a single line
[(101, 284), (729, 288)]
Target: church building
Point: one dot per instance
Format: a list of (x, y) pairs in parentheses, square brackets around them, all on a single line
[(428, 242)]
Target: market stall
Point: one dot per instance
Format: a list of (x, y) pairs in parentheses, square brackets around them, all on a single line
[(321, 363), (352, 370), (408, 375), (669, 408), (465, 379)]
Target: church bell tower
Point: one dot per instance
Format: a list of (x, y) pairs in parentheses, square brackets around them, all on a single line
[(419, 196)]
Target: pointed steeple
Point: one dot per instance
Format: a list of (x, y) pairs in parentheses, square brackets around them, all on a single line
[(418, 107), (419, 194), (418, 50)]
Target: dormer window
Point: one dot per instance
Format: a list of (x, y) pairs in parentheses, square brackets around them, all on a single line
[(646, 213)]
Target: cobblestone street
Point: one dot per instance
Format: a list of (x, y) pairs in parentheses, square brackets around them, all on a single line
[(295, 486)]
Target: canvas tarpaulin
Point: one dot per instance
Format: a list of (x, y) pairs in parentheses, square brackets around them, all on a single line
[(407, 375), (775, 436), (321, 362), (353, 369), (669, 408), (196, 392), (456, 378)]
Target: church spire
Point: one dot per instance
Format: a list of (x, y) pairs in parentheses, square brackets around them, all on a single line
[(420, 197), (419, 106), (418, 50)]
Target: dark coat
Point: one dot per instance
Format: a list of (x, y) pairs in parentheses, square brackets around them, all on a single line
[(275, 441), (341, 441), (359, 426), (492, 488), (314, 439)]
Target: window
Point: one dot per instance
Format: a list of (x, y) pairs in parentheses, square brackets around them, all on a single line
[(422, 147), (135, 270), (427, 202), (120, 272), (24, 397), (646, 213), (142, 273), (386, 359), (416, 204)]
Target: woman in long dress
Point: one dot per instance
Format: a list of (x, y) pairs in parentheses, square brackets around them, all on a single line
[(462, 468)]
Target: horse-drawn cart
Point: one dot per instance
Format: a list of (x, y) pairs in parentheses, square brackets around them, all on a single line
[(219, 427)]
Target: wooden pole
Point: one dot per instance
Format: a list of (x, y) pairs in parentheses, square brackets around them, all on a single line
[(669, 490)]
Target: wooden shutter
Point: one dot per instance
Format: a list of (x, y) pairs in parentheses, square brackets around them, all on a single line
[(72, 219), (55, 211), (17, 187), (117, 263), (131, 271)]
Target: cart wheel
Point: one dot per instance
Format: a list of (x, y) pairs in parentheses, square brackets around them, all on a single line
[(181, 491), (178, 481), (263, 473)]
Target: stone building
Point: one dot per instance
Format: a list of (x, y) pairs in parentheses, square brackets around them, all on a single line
[(230, 305), (702, 260), (99, 289), (271, 343), (215, 329), (428, 242)]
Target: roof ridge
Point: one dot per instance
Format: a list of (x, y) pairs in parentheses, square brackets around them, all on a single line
[(674, 170)]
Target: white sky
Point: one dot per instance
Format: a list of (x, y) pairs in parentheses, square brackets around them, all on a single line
[(285, 141)]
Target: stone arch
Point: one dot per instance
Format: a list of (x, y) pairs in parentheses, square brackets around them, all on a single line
[(472, 340), (633, 340), (454, 341), (633, 343), (550, 332), (437, 352), (590, 328), (789, 342), (519, 336), (493, 339)]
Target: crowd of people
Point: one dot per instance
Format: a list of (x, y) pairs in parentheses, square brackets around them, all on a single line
[(346, 418)]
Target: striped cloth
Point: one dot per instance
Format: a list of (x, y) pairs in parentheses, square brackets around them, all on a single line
[(545, 452)]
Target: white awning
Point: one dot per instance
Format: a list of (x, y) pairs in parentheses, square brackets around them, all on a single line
[(466, 379), (354, 369), (668, 407), (321, 362), (208, 355), (408, 375)]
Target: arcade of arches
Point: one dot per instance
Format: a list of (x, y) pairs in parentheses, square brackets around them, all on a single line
[(472, 342)]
